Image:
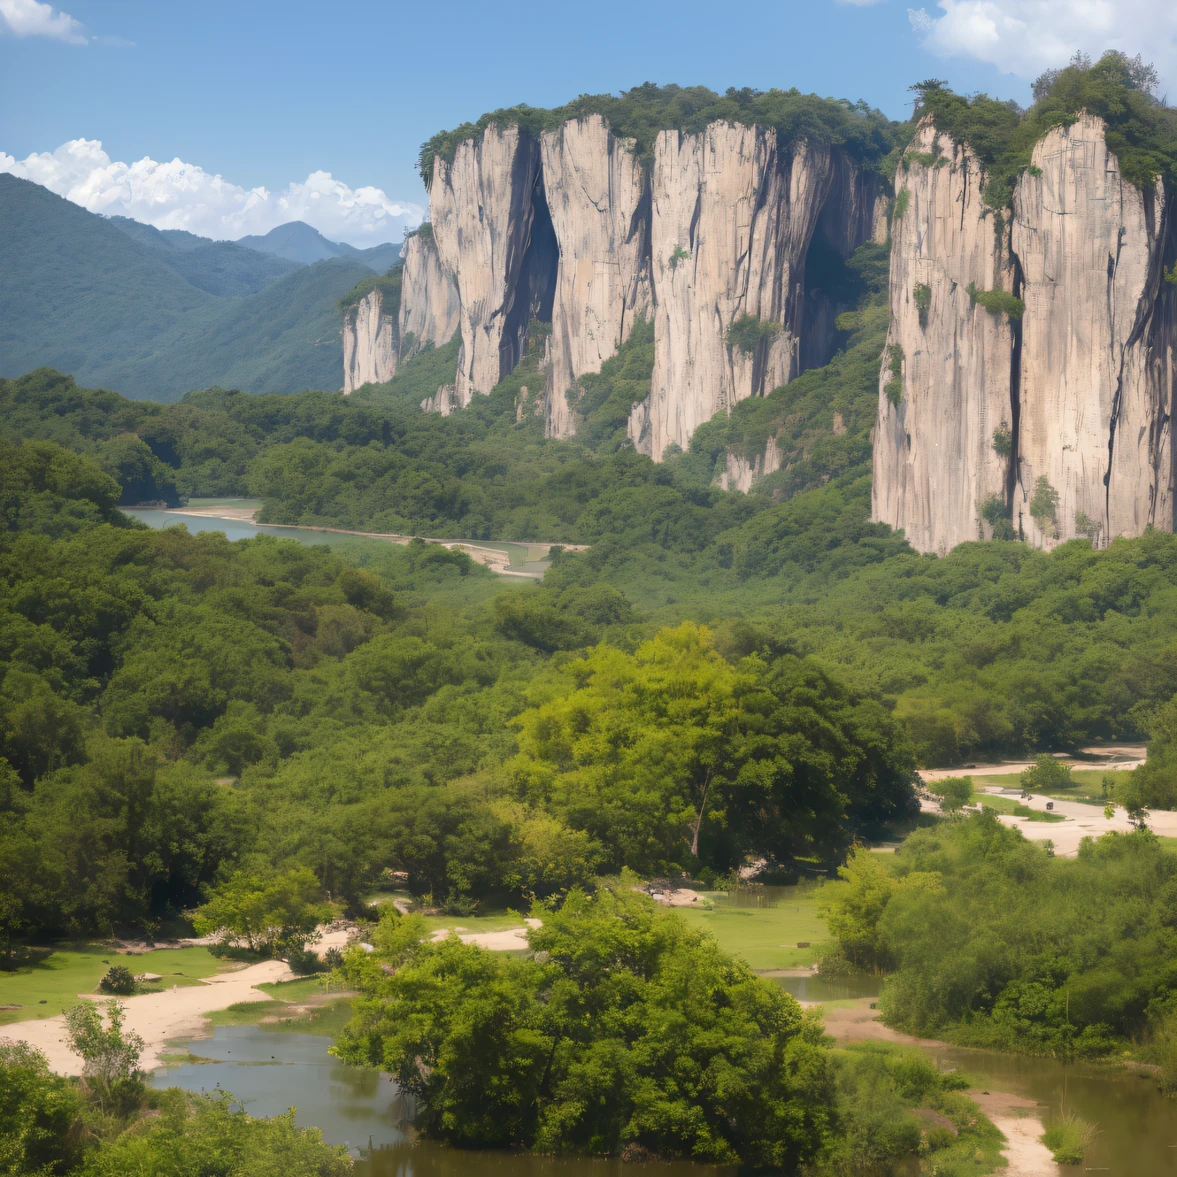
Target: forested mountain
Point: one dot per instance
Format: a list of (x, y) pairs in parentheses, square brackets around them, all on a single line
[(134, 310), (297, 241)]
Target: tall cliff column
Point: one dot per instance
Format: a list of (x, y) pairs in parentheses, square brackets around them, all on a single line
[(370, 343), (944, 389), (1097, 373), (494, 235), (429, 307), (731, 220), (595, 189)]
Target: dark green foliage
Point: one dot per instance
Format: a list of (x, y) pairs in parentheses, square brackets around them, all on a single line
[(997, 943), (614, 1041), (1003, 441), (997, 302), (1142, 133), (922, 297), (639, 114), (1044, 504), (389, 286), (119, 980), (893, 388), (40, 1115), (1154, 784), (747, 333), (995, 512), (78, 294), (902, 199)]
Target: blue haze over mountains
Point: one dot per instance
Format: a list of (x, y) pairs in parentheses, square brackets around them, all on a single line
[(156, 313)]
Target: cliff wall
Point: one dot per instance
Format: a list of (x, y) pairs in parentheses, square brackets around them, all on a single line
[(430, 307), (945, 384), (370, 343), (1059, 416)]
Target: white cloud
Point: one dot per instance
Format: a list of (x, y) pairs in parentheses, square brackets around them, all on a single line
[(28, 18), (179, 195), (1024, 37)]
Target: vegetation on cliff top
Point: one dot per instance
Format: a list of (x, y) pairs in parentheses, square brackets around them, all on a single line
[(641, 113), (1141, 131)]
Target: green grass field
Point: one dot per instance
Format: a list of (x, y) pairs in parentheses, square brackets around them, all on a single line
[(1088, 784), (60, 977), (765, 937)]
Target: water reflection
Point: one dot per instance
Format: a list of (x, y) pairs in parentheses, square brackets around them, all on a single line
[(431, 1160)]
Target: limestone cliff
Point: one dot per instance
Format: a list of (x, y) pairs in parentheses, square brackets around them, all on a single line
[(733, 215), (494, 236), (945, 381), (596, 194), (429, 299), (1097, 370), (370, 343), (1058, 417), (742, 473)]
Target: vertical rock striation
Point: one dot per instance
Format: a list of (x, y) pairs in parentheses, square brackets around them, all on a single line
[(370, 343), (494, 235), (732, 218), (1081, 385), (1097, 357), (429, 307), (596, 194), (945, 384)]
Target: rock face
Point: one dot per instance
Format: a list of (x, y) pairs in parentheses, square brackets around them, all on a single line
[(494, 235), (1097, 374), (1078, 392), (370, 343), (743, 473), (596, 195), (573, 229), (429, 299), (732, 219), (945, 383)]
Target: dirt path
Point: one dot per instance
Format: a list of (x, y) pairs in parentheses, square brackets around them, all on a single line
[(157, 1017), (1016, 1118)]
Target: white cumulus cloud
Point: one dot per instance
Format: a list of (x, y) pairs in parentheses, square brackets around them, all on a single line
[(179, 195), (29, 18), (1024, 37)]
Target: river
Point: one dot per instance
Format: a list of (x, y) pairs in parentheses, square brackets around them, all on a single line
[(519, 557)]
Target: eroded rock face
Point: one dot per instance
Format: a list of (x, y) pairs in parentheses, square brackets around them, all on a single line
[(429, 307), (1081, 386), (934, 458), (1097, 372), (596, 191), (494, 236), (742, 473), (370, 344)]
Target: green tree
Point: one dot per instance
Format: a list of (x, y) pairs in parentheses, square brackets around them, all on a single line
[(273, 913), (954, 792), (40, 1115), (1046, 775), (625, 1029), (110, 1055)]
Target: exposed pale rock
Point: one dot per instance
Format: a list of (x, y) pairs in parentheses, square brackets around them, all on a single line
[(732, 218), (934, 461), (494, 235), (443, 401), (429, 297), (742, 473), (595, 187), (370, 343), (1097, 372)]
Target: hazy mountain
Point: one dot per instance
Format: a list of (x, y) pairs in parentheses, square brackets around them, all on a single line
[(223, 268), (299, 242), (81, 294)]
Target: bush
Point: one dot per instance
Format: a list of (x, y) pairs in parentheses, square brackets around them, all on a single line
[(994, 512), (1043, 506), (901, 202), (119, 980), (996, 302), (922, 297), (1047, 775), (954, 792), (747, 333), (1003, 440), (1069, 1138), (893, 389)]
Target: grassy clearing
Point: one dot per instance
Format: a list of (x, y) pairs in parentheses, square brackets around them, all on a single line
[(59, 978), (1088, 783), (766, 937), (495, 921)]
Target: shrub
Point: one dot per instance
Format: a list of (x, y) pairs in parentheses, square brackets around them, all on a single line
[(1085, 525), (893, 389), (679, 255), (1043, 506), (922, 296), (954, 792), (748, 332), (902, 200), (996, 302), (994, 512), (1069, 1138), (119, 979), (1003, 440), (1047, 775)]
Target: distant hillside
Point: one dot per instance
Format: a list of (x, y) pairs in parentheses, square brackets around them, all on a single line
[(224, 268), (299, 242), (79, 294)]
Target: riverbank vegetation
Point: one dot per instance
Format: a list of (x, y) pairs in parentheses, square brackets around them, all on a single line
[(990, 941), (626, 1033)]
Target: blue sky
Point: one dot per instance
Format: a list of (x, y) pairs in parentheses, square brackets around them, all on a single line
[(267, 93)]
